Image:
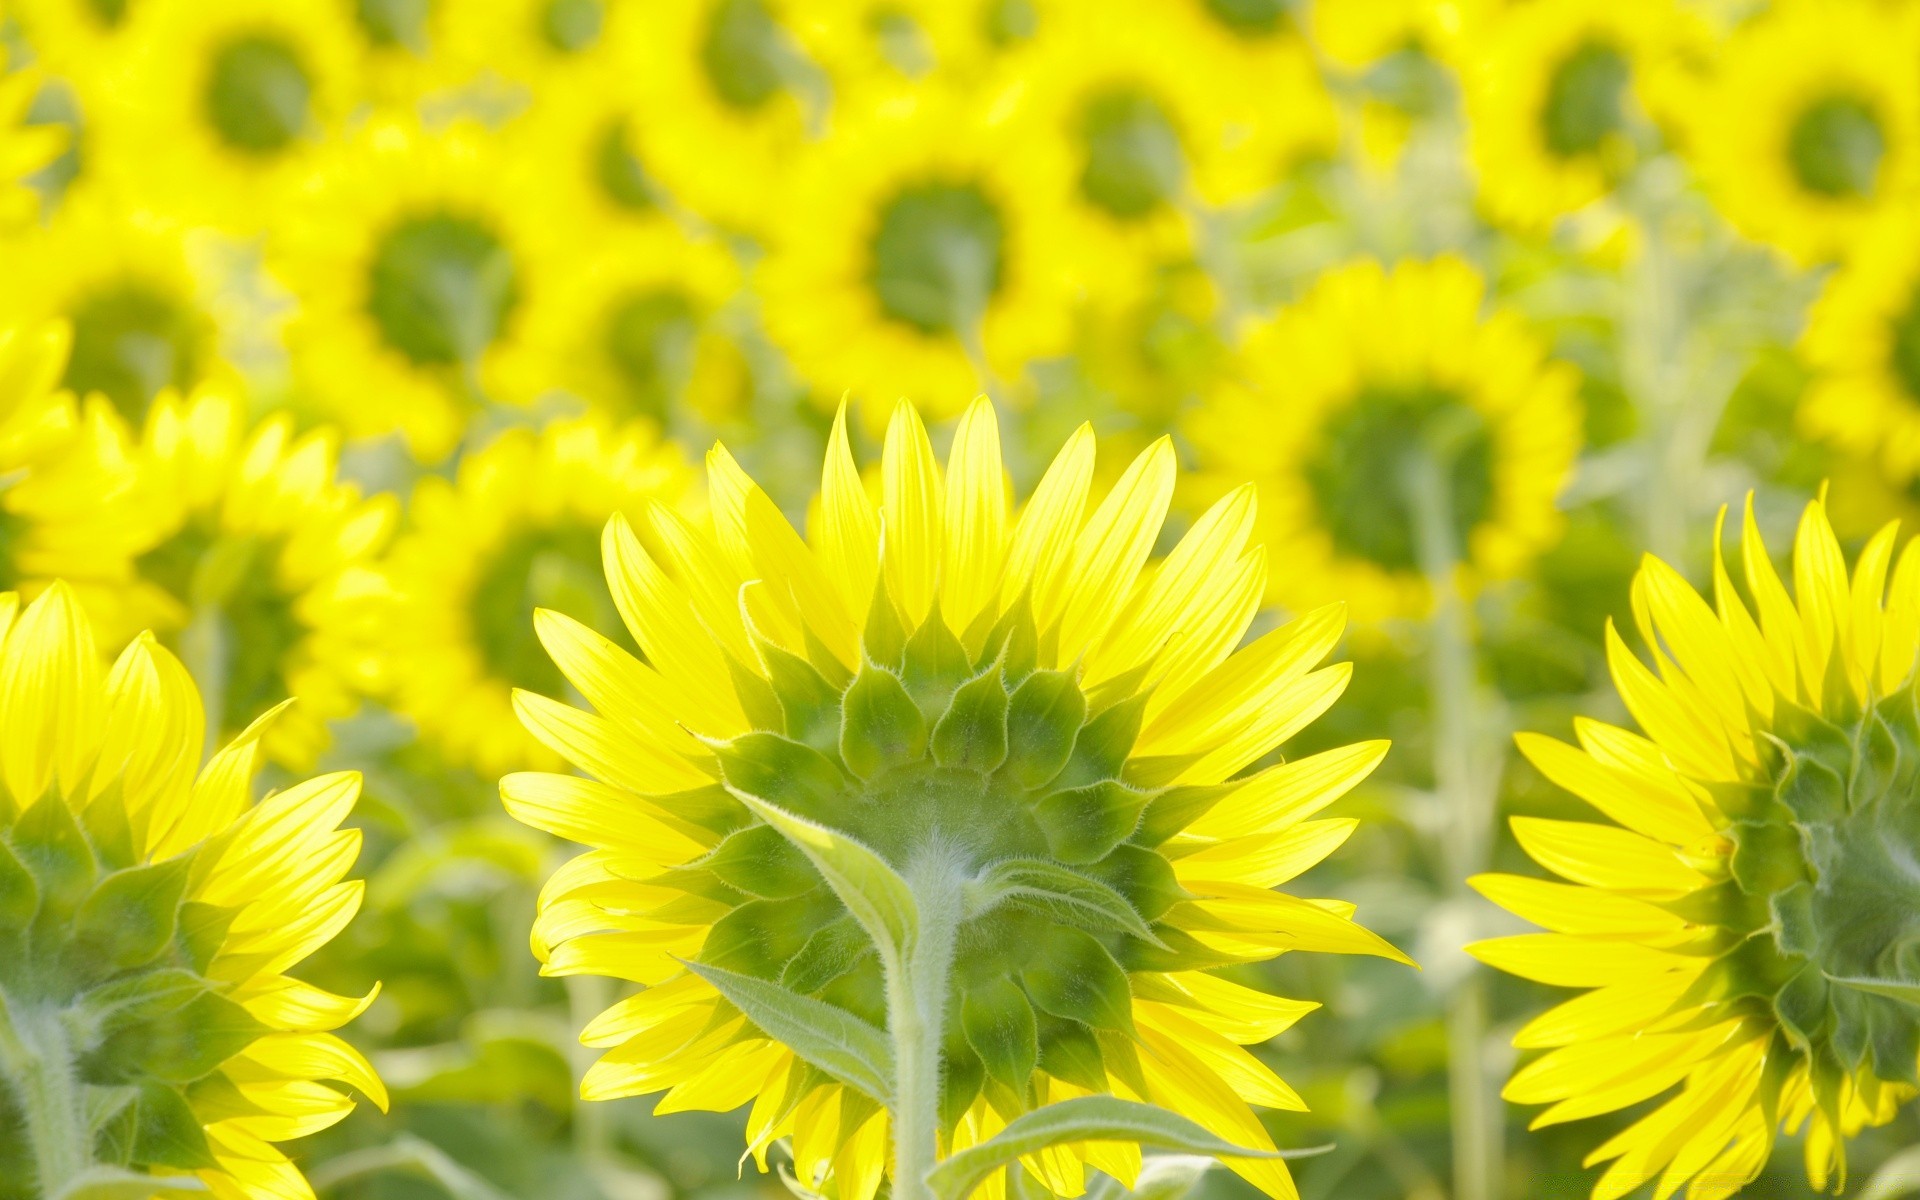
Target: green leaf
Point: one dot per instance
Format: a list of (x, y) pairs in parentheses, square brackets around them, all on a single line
[(880, 726), (51, 845), (834, 949), (872, 891), (1043, 718), (1892, 989), (972, 733), (761, 862), (830, 1038), (809, 705), (19, 894), (782, 771), (116, 1183), (999, 1026), (936, 664), (1066, 896), (173, 1042), (1081, 1119), (167, 1134), (1073, 976), (131, 916), (1084, 824)]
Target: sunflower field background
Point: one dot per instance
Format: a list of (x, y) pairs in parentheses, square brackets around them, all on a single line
[(333, 331)]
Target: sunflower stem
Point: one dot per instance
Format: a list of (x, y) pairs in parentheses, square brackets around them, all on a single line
[(36, 1060), (916, 1018), (1475, 1125), (206, 652)]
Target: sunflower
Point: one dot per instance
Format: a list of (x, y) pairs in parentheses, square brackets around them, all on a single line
[(927, 247), (1863, 343), (154, 912), (517, 528), (977, 696), (1747, 917), (633, 329), (541, 43), (582, 139), (1270, 108), (1342, 396), (415, 265), (1811, 126), (83, 41), (1357, 34), (25, 147), (126, 285), (66, 479), (405, 47), (246, 545), (224, 105), (1119, 89), (1557, 102), (742, 92)]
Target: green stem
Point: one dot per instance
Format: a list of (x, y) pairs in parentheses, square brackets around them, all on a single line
[(206, 652), (916, 1018), (1476, 1124), (36, 1060)]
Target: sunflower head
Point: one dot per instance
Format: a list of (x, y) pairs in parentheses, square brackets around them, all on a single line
[(148, 912), (1016, 716), (1753, 931)]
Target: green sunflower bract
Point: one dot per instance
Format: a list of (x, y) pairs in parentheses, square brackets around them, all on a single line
[(918, 828)]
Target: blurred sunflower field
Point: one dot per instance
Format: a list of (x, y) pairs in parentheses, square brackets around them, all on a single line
[(334, 333)]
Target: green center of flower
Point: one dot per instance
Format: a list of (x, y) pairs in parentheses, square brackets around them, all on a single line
[(1358, 476), (1904, 352), (1824, 862), (650, 340), (571, 26), (108, 12), (1835, 147), (1584, 100), (556, 567), (395, 23), (1013, 776), (617, 169), (938, 256), (441, 288), (258, 94), (1250, 18), (1009, 21), (103, 977), (744, 53), (242, 631), (1134, 161), (130, 340)]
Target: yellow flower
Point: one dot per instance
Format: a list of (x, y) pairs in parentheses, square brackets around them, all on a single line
[(1356, 34), (69, 478), (246, 546), (24, 147), (83, 41), (927, 246), (1811, 126), (1271, 108), (975, 694), (542, 43), (224, 105), (517, 528), (415, 263), (1558, 102), (406, 47), (1746, 917), (1371, 374), (1138, 116), (126, 285), (153, 911), (742, 92), (1863, 343), (633, 329)]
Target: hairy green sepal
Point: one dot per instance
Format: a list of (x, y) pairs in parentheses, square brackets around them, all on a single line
[(108, 1020)]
